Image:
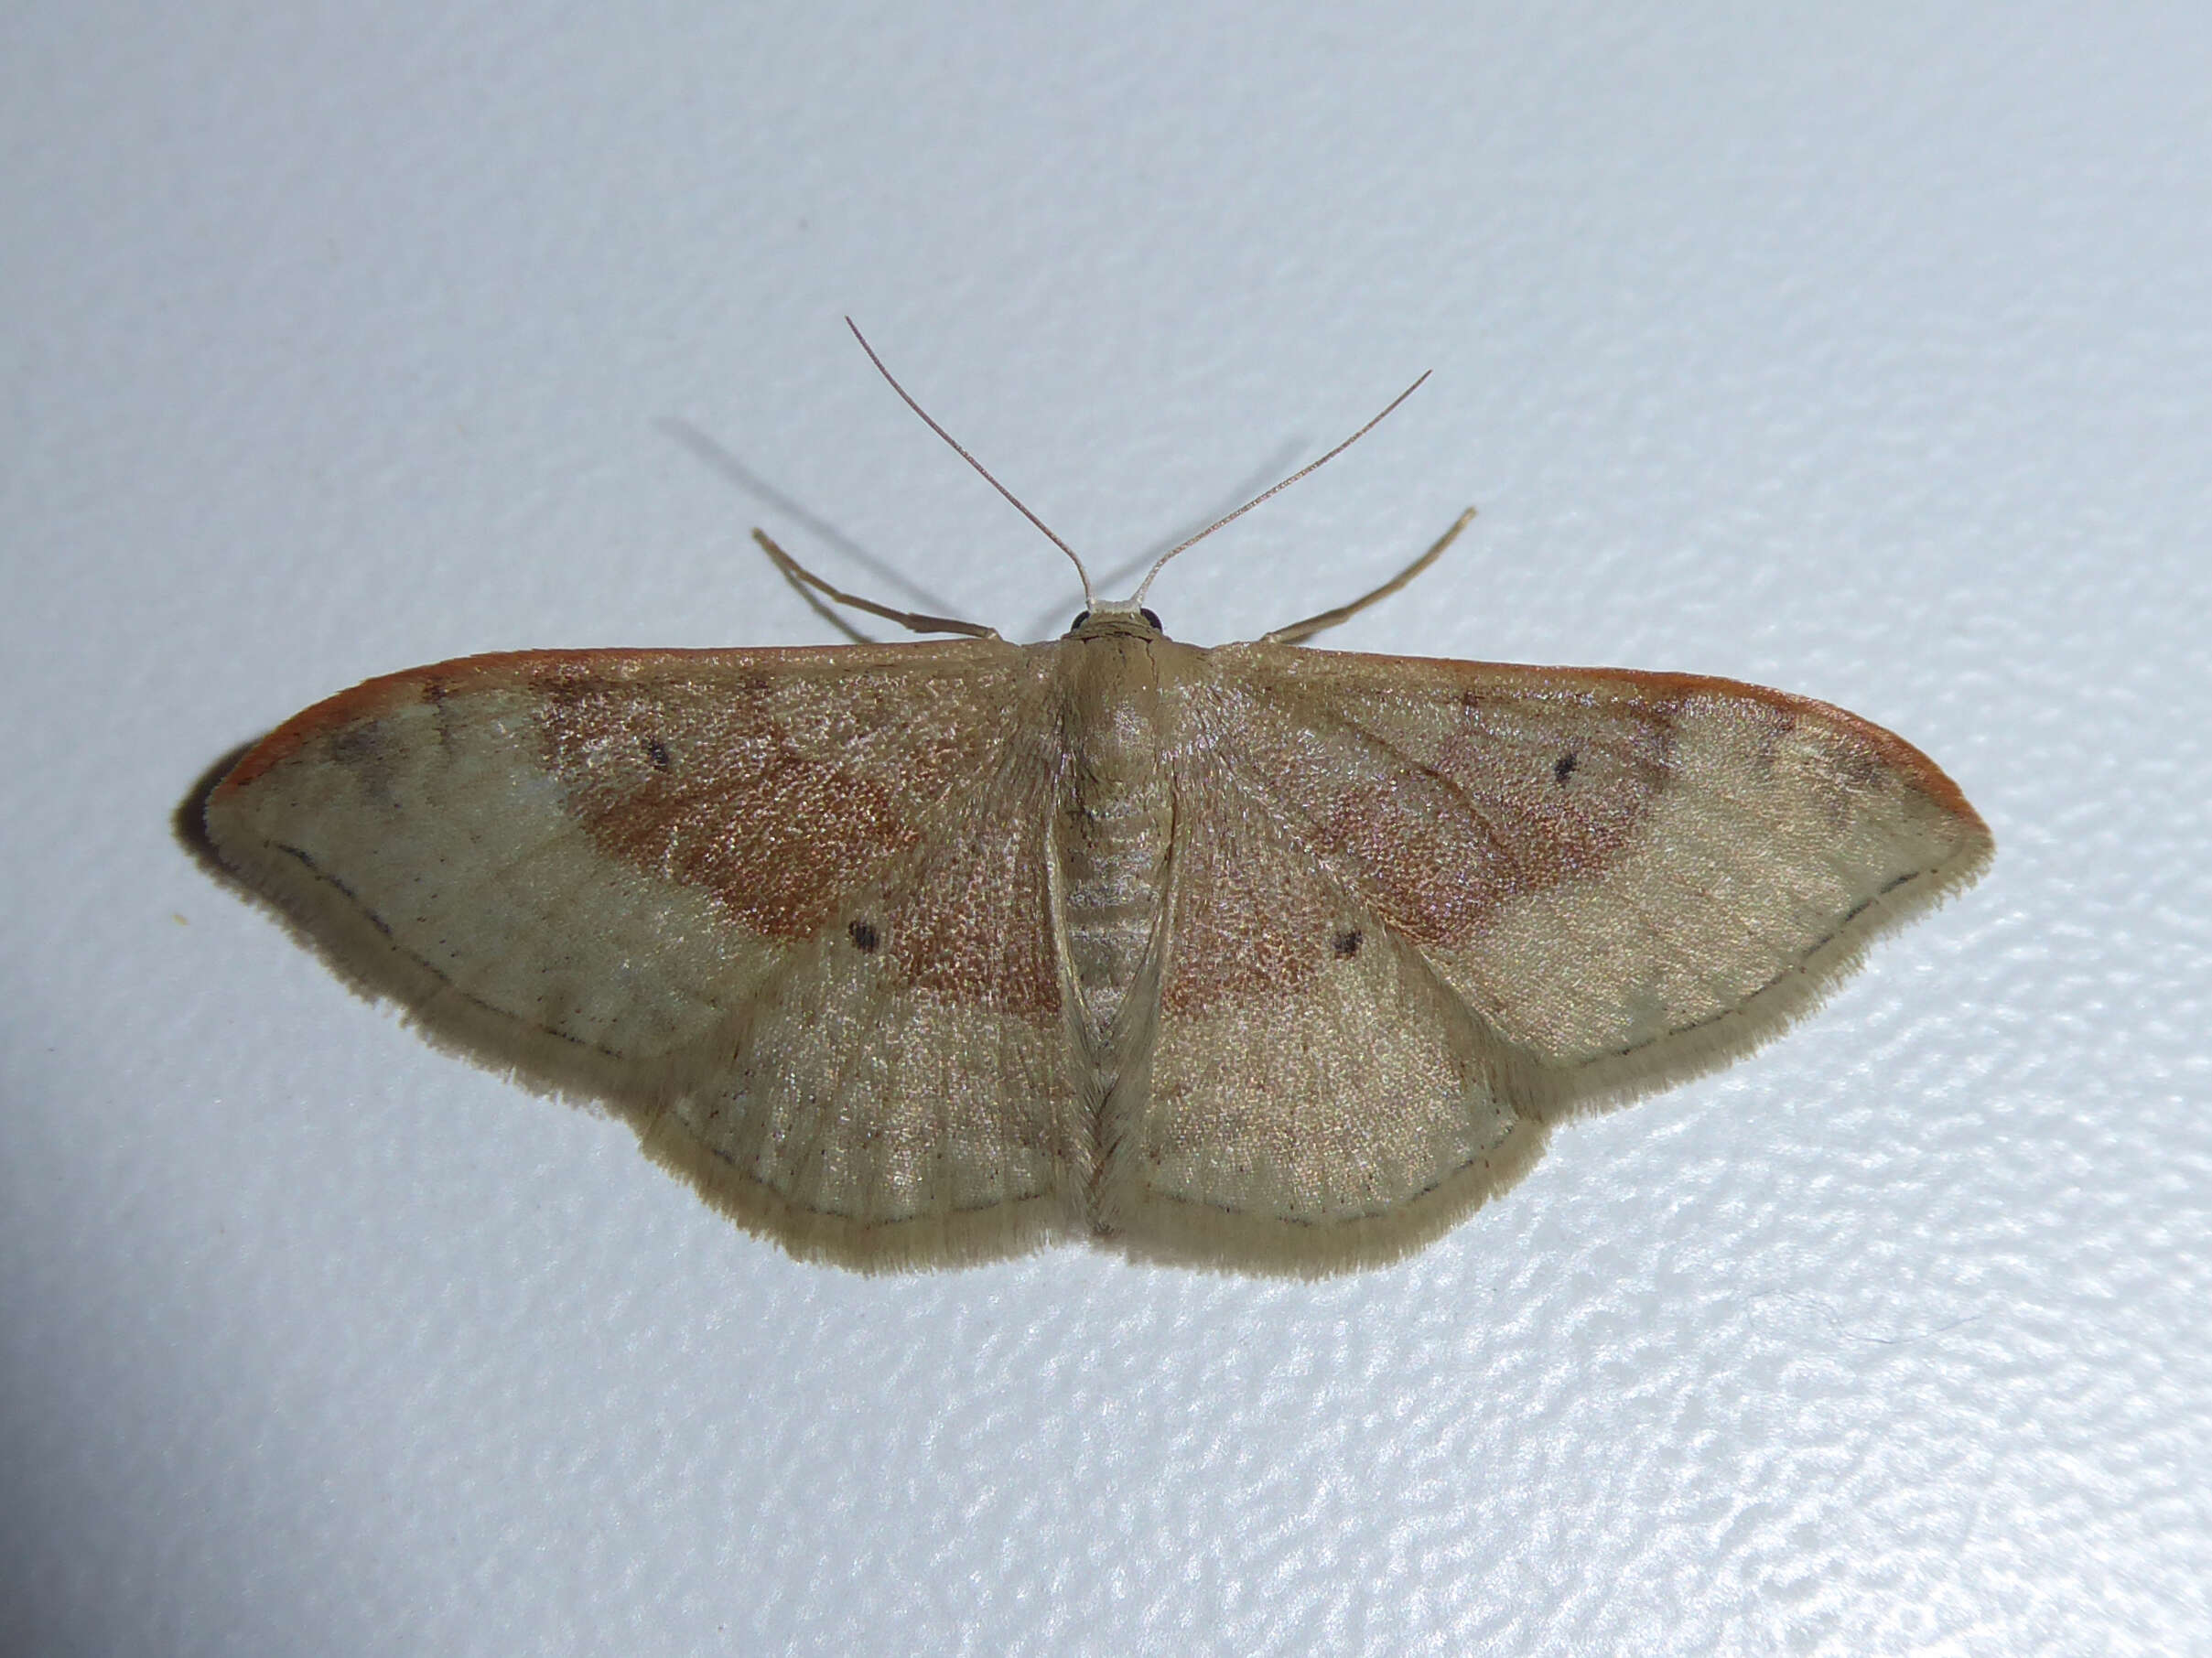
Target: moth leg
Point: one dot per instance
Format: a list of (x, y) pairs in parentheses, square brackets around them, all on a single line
[(1300, 630), (803, 579)]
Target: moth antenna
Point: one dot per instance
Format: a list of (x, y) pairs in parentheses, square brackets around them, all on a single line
[(1089, 599), (1312, 466)]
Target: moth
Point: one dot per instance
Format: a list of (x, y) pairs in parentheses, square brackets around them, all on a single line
[(1259, 957)]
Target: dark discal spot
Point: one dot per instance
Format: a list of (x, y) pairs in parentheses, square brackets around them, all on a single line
[(657, 752), (1348, 943), (1564, 766), (863, 935)]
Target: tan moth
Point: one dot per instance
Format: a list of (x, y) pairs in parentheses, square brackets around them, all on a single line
[(1256, 957)]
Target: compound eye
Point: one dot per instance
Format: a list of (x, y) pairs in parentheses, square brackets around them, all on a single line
[(1152, 619), (1080, 619)]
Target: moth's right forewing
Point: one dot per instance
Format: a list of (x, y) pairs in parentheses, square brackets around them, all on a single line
[(424, 834), (902, 1091), (716, 891)]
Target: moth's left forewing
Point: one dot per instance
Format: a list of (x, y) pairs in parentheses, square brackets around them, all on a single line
[(1318, 1099), (1627, 877)]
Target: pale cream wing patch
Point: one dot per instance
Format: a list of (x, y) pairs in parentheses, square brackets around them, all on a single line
[(782, 908), (1627, 876)]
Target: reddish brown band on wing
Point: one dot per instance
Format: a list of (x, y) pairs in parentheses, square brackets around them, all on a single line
[(807, 815), (1484, 784)]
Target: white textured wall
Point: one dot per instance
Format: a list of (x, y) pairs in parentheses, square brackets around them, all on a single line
[(1865, 351)]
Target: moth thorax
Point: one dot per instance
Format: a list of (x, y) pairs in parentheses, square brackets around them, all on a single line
[(1114, 820)]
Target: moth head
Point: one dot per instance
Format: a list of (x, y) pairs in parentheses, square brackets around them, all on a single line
[(1116, 618)]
